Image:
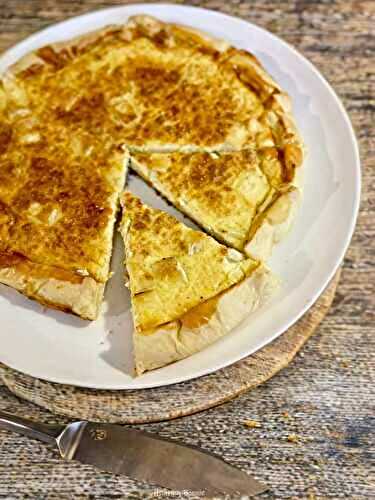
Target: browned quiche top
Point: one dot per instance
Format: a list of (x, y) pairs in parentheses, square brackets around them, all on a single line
[(67, 111)]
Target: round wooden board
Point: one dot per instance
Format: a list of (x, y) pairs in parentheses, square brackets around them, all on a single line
[(164, 403)]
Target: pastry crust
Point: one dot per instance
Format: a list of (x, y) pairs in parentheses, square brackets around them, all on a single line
[(152, 28), (273, 224), (79, 296), (182, 338)]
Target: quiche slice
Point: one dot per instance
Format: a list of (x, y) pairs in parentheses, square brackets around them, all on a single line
[(60, 180), (245, 199), (187, 290), (57, 217)]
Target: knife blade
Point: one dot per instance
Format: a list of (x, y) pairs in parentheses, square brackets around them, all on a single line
[(139, 455)]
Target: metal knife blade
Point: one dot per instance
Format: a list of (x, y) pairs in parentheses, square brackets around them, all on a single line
[(139, 455), (147, 457)]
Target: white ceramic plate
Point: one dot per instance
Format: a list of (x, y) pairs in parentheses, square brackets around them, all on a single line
[(62, 348)]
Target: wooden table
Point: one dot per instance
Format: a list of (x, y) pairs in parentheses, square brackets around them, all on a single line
[(326, 396)]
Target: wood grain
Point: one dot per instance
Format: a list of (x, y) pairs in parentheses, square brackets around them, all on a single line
[(326, 397)]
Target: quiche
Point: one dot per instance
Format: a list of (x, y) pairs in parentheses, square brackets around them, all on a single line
[(187, 290), (245, 199), (71, 112)]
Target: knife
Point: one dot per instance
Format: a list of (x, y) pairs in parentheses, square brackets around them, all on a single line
[(139, 455)]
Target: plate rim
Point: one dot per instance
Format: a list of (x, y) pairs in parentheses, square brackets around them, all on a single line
[(357, 185)]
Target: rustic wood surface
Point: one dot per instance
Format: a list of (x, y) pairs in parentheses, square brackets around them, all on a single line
[(316, 417)]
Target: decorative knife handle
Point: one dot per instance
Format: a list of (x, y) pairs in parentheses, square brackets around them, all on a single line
[(42, 432)]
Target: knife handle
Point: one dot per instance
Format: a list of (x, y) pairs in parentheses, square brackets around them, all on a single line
[(46, 433)]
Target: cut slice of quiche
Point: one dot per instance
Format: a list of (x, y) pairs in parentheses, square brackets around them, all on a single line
[(245, 199), (187, 289), (57, 217), (60, 180)]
